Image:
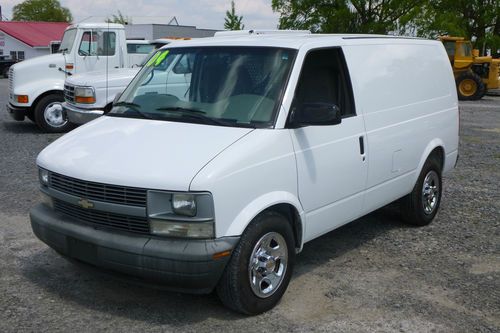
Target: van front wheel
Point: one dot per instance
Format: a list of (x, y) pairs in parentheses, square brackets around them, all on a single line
[(421, 205), (260, 267)]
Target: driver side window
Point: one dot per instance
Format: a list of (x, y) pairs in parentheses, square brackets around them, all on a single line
[(95, 43), (324, 80)]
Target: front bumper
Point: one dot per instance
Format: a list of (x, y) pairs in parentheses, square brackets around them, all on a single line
[(16, 112), (179, 264), (80, 116)]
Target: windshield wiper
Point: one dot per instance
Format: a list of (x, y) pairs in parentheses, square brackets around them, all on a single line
[(197, 114), (181, 109), (132, 106)]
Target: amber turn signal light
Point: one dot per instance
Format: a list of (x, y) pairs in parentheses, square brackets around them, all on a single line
[(22, 98)]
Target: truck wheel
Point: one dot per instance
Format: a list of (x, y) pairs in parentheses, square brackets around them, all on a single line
[(31, 116), (470, 86), (421, 205), (260, 267), (49, 114)]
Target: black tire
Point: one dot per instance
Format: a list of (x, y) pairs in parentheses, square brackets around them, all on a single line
[(470, 86), (414, 208), (40, 117), (234, 288), (31, 116)]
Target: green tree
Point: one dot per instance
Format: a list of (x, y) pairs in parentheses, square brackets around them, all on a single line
[(119, 19), (356, 16), (41, 10), (467, 18), (233, 21)]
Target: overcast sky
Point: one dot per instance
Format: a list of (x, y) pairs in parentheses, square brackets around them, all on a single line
[(257, 14)]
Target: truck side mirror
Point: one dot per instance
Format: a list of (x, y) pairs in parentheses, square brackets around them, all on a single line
[(318, 114)]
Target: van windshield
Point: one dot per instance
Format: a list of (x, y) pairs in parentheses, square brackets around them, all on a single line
[(223, 86), (67, 40)]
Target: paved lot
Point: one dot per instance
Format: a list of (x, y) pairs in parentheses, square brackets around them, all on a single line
[(374, 274)]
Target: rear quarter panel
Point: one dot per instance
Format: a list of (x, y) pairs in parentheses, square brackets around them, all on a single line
[(406, 91)]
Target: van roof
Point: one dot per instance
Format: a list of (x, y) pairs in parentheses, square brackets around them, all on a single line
[(291, 39)]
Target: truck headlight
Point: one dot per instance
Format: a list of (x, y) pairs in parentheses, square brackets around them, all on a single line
[(43, 176), (84, 95), (187, 214)]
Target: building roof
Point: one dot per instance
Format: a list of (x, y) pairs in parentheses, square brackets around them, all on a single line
[(34, 34)]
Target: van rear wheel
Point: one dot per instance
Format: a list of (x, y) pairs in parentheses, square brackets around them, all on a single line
[(50, 116), (421, 205), (260, 267)]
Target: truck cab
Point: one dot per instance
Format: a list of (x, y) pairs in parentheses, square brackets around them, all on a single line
[(36, 86)]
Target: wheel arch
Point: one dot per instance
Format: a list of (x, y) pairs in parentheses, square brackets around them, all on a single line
[(435, 148), (46, 93), (280, 202)]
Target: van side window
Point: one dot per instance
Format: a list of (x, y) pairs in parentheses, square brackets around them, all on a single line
[(324, 79)]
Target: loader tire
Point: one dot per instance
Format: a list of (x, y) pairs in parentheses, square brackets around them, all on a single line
[(470, 87)]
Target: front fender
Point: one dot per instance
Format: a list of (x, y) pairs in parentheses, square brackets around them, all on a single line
[(35, 89), (262, 203)]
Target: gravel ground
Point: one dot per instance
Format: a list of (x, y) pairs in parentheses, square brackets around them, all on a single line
[(373, 275)]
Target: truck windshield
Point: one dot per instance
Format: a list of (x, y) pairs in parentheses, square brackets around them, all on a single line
[(67, 40), (222, 86)]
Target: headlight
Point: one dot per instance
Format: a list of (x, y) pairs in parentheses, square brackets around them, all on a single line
[(184, 204), (174, 214), (84, 95), (43, 176)]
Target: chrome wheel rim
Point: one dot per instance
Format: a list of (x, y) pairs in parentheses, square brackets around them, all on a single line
[(54, 115), (268, 264), (430, 192)]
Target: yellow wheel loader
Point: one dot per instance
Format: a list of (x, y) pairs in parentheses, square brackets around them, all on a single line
[(474, 75)]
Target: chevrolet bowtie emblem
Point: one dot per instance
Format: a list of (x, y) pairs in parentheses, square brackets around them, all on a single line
[(84, 203)]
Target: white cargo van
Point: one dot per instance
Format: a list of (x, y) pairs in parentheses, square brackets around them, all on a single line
[(272, 140)]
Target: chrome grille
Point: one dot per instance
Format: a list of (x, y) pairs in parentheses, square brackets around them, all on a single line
[(103, 219), (97, 191), (69, 93)]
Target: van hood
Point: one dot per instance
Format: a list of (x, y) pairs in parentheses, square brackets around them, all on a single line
[(142, 153), (116, 77)]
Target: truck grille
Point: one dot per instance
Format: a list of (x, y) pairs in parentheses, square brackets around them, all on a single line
[(101, 192), (69, 93), (103, 219), (11, 79)]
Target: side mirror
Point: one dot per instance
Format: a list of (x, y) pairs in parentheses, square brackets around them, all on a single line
[(316, 114)]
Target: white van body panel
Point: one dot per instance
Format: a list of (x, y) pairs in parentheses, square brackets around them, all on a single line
[(261, 167), (133, 159), (410, 107)]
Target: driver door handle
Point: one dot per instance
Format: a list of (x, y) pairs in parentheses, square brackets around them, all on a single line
[(362, 147)]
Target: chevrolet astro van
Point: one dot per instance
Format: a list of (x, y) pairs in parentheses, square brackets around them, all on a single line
[(271, 139)]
